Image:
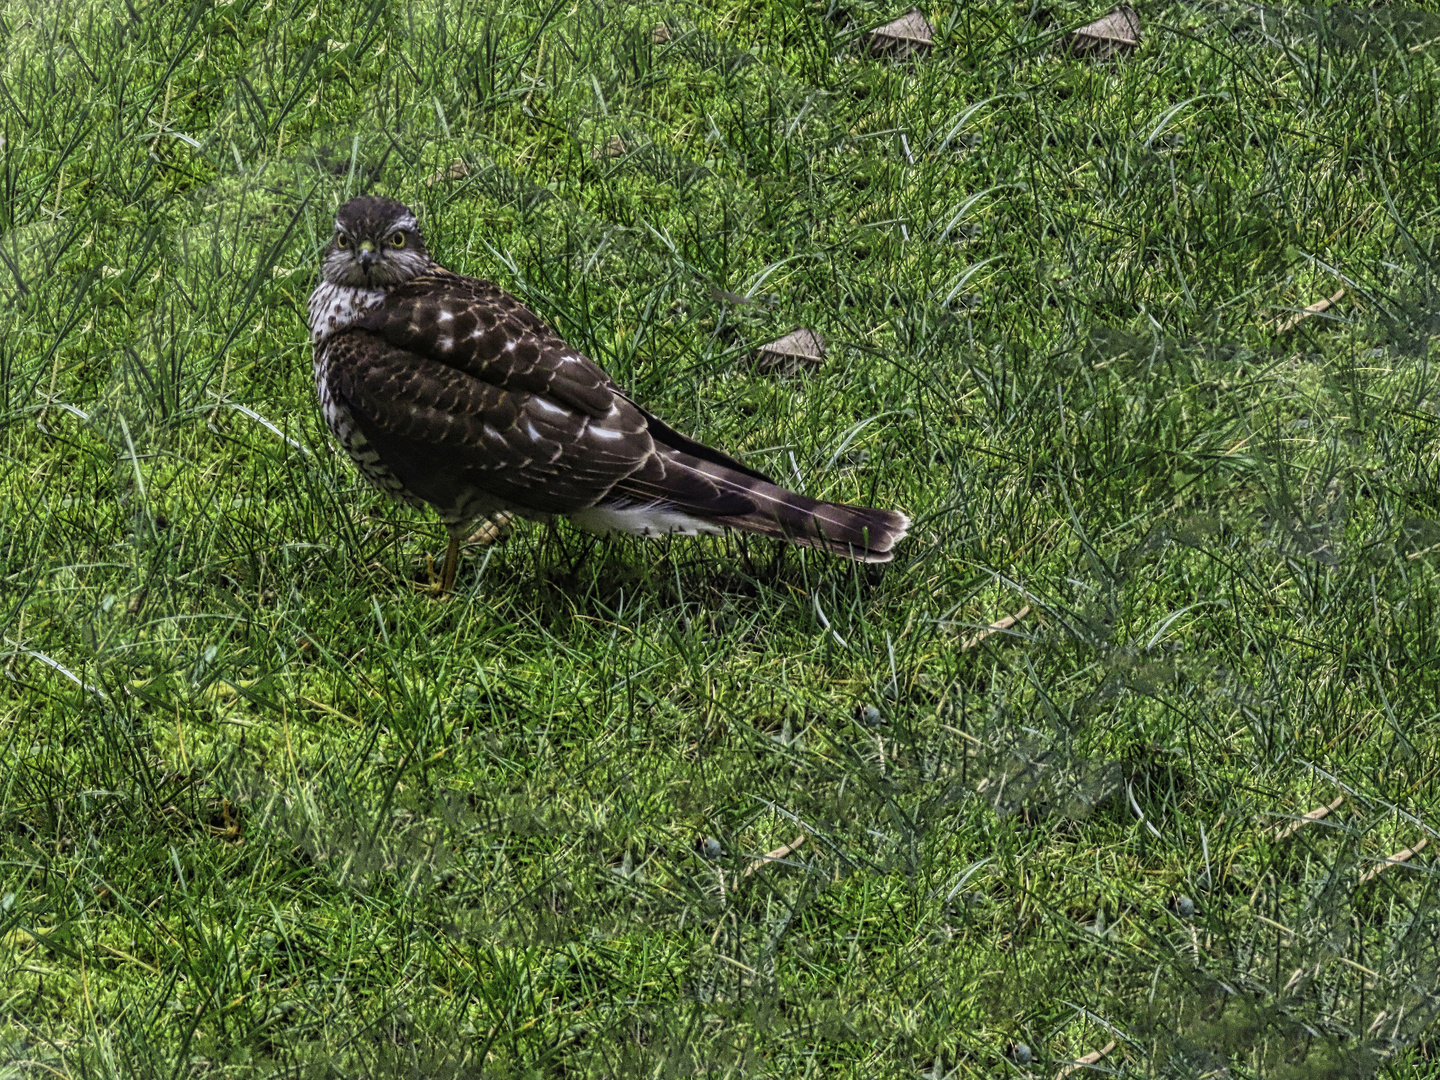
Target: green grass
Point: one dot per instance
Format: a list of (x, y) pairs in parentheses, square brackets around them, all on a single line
[(268, 810)]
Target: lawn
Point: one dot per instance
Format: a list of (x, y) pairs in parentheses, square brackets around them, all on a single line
[(1033, 791)]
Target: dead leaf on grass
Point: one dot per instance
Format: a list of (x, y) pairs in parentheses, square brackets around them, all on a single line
[(614, 147), (798, 349), (906, 36), (456, 170), (1116, 34)]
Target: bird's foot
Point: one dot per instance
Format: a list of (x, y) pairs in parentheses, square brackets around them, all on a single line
[(430, 583), (441, 584), (492, 530)]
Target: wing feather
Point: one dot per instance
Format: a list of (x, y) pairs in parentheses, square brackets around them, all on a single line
[(456, 383), (479, 328), (443, 431)]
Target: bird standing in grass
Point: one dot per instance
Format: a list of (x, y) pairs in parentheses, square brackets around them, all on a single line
[(448, 392)]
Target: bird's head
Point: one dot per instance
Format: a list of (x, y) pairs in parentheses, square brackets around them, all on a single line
[(377, 243)]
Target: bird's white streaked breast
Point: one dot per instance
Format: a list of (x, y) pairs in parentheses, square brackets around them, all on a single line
[(351, 439), (334, 307)]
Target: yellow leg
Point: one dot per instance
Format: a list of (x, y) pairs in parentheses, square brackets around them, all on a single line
[(491, 530), (452, 561)]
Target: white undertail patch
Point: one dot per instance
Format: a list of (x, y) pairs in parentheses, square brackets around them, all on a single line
[(643, 521)]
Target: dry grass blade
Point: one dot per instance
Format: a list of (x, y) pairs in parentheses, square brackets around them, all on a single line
[(1085, 1062), (1394, 860), (1319, 813), (1314, 309), (995, 627), (734, 299), (779, 853), (1118, 32)]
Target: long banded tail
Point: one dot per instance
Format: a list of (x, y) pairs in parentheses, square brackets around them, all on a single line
[(862, 533), (683, 492)]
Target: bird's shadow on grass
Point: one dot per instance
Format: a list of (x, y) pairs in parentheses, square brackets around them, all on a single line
[(563, 571)]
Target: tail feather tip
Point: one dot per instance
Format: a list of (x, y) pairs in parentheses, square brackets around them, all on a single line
[(881, 530)]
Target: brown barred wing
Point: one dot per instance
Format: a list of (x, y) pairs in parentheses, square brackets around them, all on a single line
[(480, 329), (447, 435)]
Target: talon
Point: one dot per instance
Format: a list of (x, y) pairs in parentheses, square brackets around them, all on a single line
[(432, 583)]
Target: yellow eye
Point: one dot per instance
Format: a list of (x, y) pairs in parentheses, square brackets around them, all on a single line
[(342, 241), (397, 239)]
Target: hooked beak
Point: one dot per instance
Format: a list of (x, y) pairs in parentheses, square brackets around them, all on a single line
[(367, 255)]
